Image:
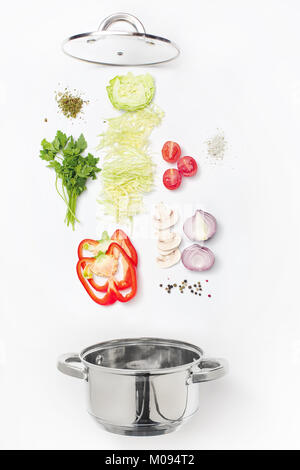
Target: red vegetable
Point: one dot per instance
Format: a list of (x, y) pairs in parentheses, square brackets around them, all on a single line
[(172, 178), (171, 151), (187, 166), (87, 241), (120, 237), (123, 240), (108, 298), (112, 287)]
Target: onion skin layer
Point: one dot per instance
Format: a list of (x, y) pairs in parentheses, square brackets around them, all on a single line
[(197, 258)]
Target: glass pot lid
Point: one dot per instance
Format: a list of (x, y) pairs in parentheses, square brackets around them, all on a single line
[(110, 47)]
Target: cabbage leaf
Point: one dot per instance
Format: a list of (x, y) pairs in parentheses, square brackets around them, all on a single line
[(130, 92)]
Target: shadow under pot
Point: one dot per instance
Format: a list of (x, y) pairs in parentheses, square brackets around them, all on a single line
[(142, 386)]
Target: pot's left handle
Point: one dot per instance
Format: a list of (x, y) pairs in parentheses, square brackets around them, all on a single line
[(209, 369), (65, 364)]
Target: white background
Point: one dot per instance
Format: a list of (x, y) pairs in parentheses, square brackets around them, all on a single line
[(239, 71)]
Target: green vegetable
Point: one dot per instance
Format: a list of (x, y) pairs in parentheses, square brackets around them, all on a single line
[(104, 237), (100, 256), (130, 93), (104, 242), (87, 272), (128, 170), (131, 129), (64, 155)]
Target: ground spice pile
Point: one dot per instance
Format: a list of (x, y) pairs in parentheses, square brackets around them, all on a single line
[(216, 146), (70, 104)]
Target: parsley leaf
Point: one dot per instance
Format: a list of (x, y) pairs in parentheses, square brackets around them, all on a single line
[(64, 155), (62, 138), (81, 143)]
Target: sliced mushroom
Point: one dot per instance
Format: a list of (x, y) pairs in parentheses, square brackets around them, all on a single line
[(165, 252), (171, 244), (162, 211), (165, 235), (166, 261), (167, 222), (164, 217), (168, 241)]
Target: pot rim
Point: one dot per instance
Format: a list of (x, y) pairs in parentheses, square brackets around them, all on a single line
[(146, 340)]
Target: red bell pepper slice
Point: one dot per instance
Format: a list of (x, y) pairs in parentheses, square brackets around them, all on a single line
[(80, 250), (108, 298), (121, 237), (124, 241), (86, 260), (111, 288)]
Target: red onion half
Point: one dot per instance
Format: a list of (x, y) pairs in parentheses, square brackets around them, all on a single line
[(197, 258), (200, 227)]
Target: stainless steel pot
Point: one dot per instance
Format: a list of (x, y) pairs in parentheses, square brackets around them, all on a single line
[(142, 386)]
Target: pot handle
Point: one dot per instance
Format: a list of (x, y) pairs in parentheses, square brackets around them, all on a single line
[(64, 365), (210, 369)]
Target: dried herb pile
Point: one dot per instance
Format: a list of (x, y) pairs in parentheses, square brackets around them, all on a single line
[(70, 104)]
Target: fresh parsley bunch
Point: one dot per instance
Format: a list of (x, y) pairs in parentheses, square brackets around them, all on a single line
[(64, 155)]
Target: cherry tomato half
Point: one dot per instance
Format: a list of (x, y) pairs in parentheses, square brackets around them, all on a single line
[(187, 166), (171, 152), (172, 178)]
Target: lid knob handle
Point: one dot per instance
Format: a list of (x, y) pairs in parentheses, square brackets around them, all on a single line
[(132, 20)]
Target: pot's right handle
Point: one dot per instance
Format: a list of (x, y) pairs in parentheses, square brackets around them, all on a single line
[(65, 364), (209, 369)]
